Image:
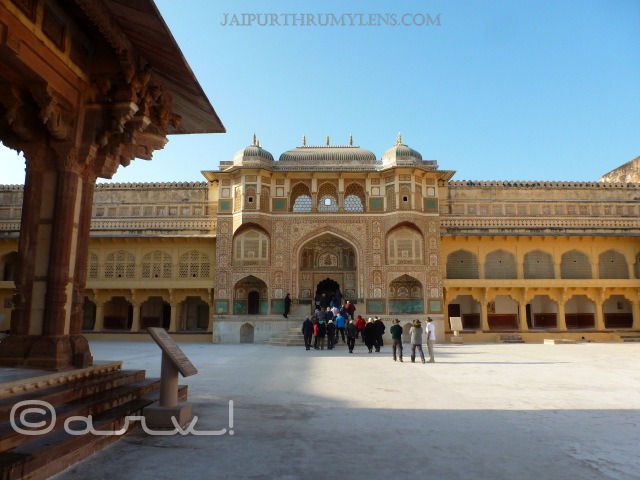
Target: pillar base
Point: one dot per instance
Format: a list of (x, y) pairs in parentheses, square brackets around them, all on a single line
[(44, 352), (160, 417)]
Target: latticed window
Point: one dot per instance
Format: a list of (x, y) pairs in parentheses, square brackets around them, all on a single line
[(538, 265), (120, 264), (265, 200), (328, 195), (194, 264), (391, 198), (92, 266), (500, 265), (250, 198), (462, 264), (301, 198), (251, 248), (404, 247), (237, 203), (405, 198), (354, 198), (156, 264), (575, 265)]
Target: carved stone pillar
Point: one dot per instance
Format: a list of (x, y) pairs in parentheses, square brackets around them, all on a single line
[(635, 309), (173, 326), (135, 325), (99, 325)]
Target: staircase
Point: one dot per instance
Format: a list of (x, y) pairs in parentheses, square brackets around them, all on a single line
[(289, 338), (630, 337), (109, 397)]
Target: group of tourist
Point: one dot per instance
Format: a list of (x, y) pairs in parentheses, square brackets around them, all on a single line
[(329, 326)]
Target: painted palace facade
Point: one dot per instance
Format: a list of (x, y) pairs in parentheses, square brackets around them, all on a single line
[(400, 238)]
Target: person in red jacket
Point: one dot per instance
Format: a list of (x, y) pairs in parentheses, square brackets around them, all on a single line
[(351, 308), (360, 326)]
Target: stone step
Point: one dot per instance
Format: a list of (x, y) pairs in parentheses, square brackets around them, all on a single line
[(511, 338), (46, 455), (630, 337), (71, 391), (83, 407)]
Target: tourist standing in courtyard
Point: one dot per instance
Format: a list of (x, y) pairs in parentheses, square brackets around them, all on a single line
[(416, 340), (361, 323), (396, 339), (341, 322), (331, 335), (380, 328), (370, 334), (351, 335), (287, 306), (321, 333), (351, 309), (431, 338), (307, 332)]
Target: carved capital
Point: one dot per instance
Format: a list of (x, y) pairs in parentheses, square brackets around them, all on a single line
[(55, 112), (17, 113)]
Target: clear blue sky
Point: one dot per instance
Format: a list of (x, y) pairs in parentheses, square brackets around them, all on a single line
[(501, 90)]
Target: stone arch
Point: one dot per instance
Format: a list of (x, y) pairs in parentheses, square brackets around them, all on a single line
[(542, 312), (118, 313), (300, 198), (157, 264), (468, 309), (579, 312), (155, 311), (574, 265), (462, 264), (8, 266), (502, 313), (406, 295), (538, 265), (120, 264), (251, 245), (247, 332), (350, 284), (500, 264), (617, 312), (194, 314), (245, 301), (404, 244), (612, 264), (354, 198)]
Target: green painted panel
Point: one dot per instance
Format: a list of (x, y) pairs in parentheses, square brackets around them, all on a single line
[(264, 307), (222, 307), (239, 306), (406, 306), (430, 204), (375, 306), (277, 306), (279, 204), (435, 306), (225, 205), (376, 203)]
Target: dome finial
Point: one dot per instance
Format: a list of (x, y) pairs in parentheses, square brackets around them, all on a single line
[(327, 140), (304, 140), (255, 140), (399, 140), (258, 142), (350, 139)]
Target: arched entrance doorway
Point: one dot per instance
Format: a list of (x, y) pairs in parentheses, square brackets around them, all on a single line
[(327, 264), (250, 296)]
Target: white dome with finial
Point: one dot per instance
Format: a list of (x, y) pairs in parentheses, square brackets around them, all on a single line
[(400, 154), (253, 154)]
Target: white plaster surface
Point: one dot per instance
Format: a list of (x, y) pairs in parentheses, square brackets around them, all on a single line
[(483, 411)]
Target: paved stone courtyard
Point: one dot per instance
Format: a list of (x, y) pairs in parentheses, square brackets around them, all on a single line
[(483, 411)]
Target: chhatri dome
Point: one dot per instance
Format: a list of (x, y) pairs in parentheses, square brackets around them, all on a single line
[(328, 155), (400, 154), (253, 154)]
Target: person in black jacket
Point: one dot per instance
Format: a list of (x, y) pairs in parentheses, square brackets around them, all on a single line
[(370, 332), (287, 306), (331, 334), (322, 333), (307, 331), (380, 328)]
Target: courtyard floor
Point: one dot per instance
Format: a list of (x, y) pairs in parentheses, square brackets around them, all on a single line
[(482, 411)]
